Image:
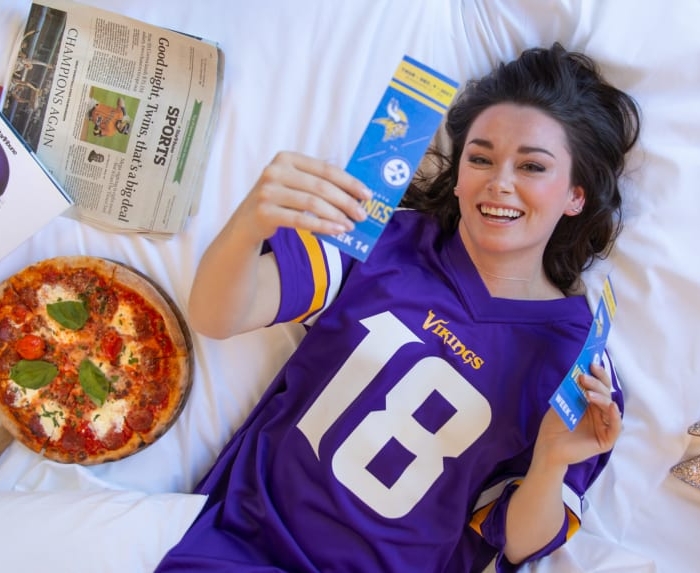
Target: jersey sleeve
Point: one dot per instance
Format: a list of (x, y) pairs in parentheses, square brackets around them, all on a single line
[(489, 521), (311, 274), (489, 515)]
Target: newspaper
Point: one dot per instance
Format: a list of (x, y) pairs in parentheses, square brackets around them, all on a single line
[(119, 111)]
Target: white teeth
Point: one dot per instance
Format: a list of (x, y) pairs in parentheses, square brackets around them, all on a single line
[(500, 212)]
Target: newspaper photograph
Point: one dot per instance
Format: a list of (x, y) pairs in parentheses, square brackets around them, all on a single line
[(119, 111)]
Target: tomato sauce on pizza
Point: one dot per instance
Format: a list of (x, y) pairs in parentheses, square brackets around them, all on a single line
[(95, 360)]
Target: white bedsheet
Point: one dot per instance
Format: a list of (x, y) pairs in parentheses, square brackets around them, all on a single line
[(306, 75)]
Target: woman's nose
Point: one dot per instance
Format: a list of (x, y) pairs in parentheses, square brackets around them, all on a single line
[(502, 181)]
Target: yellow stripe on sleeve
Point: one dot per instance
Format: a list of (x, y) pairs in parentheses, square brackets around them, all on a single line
[(479, 516), (574, 523), (318, 272)]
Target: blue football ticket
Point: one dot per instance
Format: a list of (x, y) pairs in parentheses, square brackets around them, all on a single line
[(392, 146), (569, 399)]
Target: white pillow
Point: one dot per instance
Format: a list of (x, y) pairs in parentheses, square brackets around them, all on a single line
[(106, 531)]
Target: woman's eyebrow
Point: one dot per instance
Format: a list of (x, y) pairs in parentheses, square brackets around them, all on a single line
[(534, 149), (522, 149), (481, 143)]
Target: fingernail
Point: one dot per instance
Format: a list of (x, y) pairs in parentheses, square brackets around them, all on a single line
[(336, 228), (367, 193)]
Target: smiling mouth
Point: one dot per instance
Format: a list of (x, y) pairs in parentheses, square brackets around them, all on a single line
[(500, 213)]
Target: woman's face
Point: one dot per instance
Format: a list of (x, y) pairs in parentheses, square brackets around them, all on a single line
[(514, 183)]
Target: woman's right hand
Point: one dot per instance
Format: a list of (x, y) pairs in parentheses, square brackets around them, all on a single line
[(236, 289), (302, 192)]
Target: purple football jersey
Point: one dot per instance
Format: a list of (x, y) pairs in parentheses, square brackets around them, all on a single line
[(394, 436)]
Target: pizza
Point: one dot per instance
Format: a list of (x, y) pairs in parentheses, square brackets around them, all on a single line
[(95, 359)]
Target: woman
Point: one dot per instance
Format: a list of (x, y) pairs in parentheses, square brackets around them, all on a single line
[(411, 429)]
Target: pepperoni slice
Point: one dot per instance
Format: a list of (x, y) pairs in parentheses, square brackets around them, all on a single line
[(73, 440), (114, 440), (154, 393), (6, 329), (140, 419), (36, 427)]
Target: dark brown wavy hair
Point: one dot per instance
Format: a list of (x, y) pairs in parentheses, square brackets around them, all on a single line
[(601, 124)]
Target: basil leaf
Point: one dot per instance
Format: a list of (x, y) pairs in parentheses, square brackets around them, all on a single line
[(93, 382), (33, 374), (68, 313)]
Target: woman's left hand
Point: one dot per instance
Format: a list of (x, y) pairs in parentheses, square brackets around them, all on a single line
[(596, 432)]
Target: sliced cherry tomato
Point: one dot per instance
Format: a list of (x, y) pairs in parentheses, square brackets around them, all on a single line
[(111, 345), (30, 347)]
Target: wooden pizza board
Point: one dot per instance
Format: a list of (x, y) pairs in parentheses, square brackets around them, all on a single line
[(5, 439)]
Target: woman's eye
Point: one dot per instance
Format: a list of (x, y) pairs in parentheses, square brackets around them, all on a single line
[(478, 160), (533, 167)]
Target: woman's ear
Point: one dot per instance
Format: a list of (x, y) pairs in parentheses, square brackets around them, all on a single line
[(577, 199)]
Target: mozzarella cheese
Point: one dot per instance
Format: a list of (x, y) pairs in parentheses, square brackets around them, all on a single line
[(123, 320), (48, 294), (52, 418), (130, 353), (22, 396), (110, 416)]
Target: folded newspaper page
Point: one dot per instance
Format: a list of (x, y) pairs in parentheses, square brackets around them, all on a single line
[(120, 112)]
